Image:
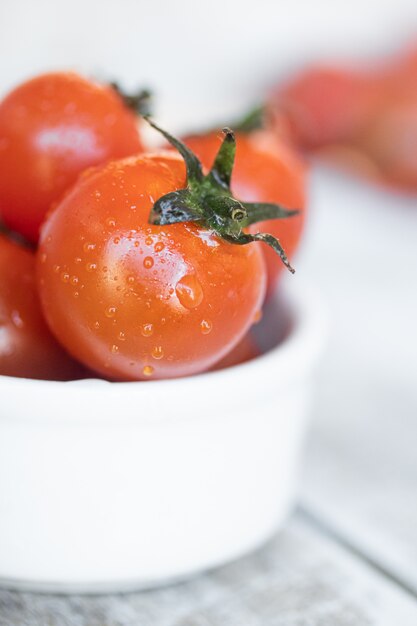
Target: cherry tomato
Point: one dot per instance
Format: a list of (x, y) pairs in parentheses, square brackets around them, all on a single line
[(52, 128), (365, 120), (265, 171), (322, 105), (27, 348), (134, 300)]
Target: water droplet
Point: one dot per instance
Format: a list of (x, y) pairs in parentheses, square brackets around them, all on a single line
[(76, 294), (147, 370), (206, 327), (74, 281), (89, 247), (97, 325), (56, 268), (130, 280), (148, 262), (136, 244), (149, 241), (78, 260), (157, 352), (90, 267), (159, 246), (189, 291), (43, 257), (110, 311), (114, 348), (116, 240), (111, 222), (65, 277), (147, 330), (122, 336), (17, 320), (133, 207), (97, 194), (257, 317)]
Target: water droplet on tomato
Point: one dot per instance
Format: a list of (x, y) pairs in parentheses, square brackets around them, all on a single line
[(78, 260), (89, 247), (149, 241), (130, 280), (122, 336), (147, 330), (56, 268), (17, 320), (148, 370), (97, 194), (110, 311), (74, 281), (114, 348), (157, 352), (189, 291), (65, 277), (111, 222), (97, 325), (90, 267), (159, 246), (43, 257), (148, 262), (76, 294), (116, 240), (257, 317), (206, 327)]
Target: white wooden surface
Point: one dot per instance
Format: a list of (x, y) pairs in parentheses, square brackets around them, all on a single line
[(361, 467), (301, 578)]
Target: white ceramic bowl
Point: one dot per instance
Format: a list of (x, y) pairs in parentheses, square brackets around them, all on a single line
[(110, 486)]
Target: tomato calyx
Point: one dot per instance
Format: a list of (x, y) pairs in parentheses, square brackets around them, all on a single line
[(139, 102), (208, 200)]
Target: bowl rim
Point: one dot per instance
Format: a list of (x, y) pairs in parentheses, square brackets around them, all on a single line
[(296, 351)]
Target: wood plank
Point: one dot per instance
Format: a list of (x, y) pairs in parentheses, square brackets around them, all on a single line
[(300, 578), (361, 469)]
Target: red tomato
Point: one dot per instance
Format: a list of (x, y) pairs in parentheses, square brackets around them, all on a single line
[(27, 348), (365, 120), (320, 106), (265, 171), (51, 128), (136, 301)]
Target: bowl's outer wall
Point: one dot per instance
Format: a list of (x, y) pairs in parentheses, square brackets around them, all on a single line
[(104, 486)]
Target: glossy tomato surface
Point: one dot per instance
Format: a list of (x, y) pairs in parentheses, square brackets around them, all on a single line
[(137, 301), (265, 171), (51, 128), (27, 348)]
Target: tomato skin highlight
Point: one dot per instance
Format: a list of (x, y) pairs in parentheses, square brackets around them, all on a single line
[(265, 171), (134, 301), (27, 348), (52, 128)]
